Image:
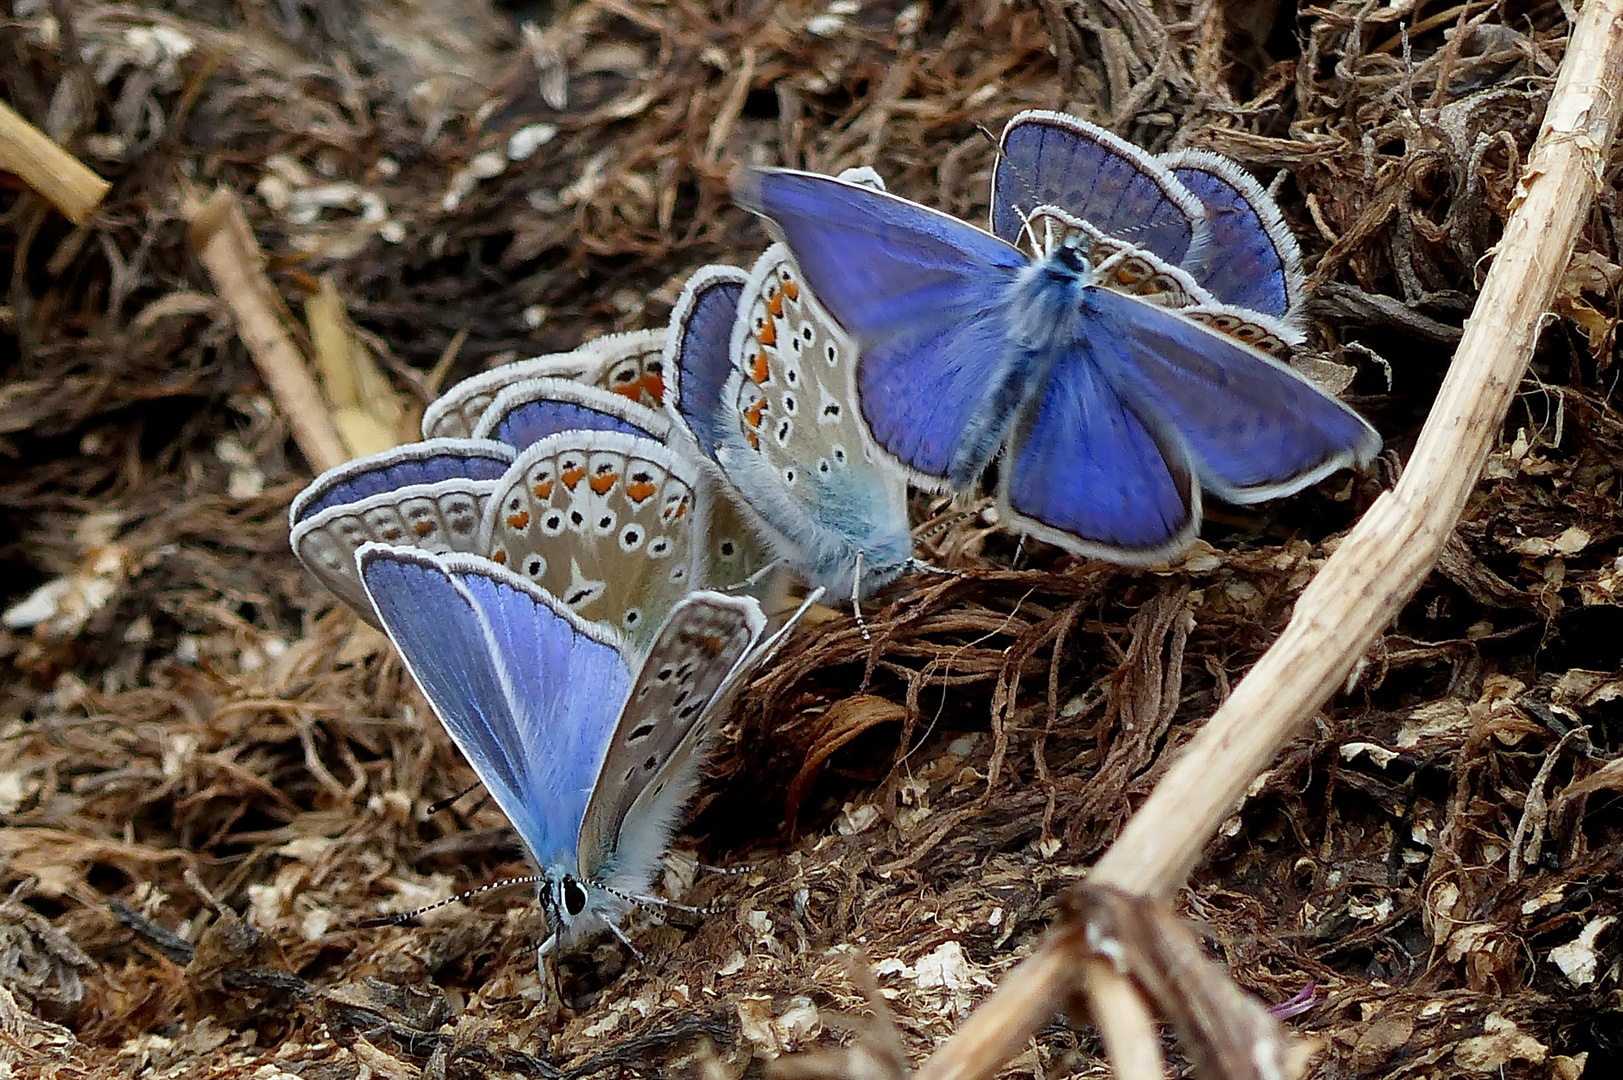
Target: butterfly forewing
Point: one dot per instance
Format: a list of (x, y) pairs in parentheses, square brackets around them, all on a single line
[(529, 411), (652, 755), (529, 693), (1048, 158)]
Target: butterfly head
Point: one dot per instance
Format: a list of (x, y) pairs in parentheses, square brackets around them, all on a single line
[(575, 908)]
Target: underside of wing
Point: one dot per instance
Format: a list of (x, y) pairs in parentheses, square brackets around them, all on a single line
[(652, 758)]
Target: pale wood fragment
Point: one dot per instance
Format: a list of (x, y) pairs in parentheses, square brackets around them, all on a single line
[(67, 182), (223, 242)]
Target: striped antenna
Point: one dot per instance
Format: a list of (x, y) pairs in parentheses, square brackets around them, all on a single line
[(408, 916)]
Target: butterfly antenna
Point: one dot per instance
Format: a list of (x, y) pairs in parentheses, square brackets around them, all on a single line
[(856, 599), (408, 916), (445, 804)]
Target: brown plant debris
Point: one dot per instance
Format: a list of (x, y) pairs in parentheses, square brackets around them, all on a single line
[(213, 773)]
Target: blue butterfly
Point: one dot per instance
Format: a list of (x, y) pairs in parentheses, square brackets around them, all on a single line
[(589, 744), (761, 378), (1111, 412)]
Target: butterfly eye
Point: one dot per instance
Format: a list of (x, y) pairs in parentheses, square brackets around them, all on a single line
[(573, 896), (1071, 256)]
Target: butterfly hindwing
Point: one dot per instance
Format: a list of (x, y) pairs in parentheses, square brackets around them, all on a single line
[(602, 520), (441, 517), (1253, 260), (629, 365)]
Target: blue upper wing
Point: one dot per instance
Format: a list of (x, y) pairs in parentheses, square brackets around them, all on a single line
[(527, 412), (530, 695), (1050, 159), (1252, 259), (923, 295), (1085, 471), (698, 357), (1254, 429), (426, 462)]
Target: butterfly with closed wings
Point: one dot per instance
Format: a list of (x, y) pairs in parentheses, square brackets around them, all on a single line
[(590, 744)]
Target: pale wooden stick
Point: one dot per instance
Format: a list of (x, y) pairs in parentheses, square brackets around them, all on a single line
[(66, 181), (1375, 570), (222, 240)]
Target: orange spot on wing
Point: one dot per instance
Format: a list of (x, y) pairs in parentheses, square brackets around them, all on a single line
[(713, 644), (604, 482), (791, 289), (755, 440), (654, 386), (768, 334), (752, 415), (774, 303), (571, 477), (520, 520), (543, 490), (640, 490), (500, 558), (632, 390), (759, 370), (424, 528)]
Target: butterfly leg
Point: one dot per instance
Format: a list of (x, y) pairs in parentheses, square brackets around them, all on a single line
[(919, 566), (546, 966), (617, 932), (756, 578)]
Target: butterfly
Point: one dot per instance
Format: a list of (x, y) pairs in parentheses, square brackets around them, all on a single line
[(1111, 412), (760, 377), (430, 495), (535, 408), (628, 365), (1187, 229), (590, 744)]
